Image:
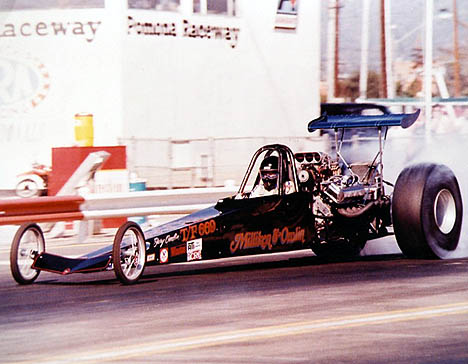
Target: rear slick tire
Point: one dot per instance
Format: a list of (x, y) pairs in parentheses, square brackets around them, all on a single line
[(427, 211)]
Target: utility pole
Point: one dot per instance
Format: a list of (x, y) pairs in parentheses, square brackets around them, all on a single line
[(331, 50), (363, 74), (388, 48), (428, 68), (383, 51), (337, 47), (456, 51)]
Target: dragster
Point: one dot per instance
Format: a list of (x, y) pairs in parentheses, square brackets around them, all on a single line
[(286, 201)]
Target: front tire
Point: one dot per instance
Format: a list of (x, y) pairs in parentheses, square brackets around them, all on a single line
[(129, 253), (27, 244), (427, 211)]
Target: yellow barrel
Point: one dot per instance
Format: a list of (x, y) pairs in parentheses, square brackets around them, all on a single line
[(84, 130)]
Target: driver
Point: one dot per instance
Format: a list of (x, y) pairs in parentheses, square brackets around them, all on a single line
[(269, 174)]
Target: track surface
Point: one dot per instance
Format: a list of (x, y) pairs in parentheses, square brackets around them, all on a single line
[(283, 308)]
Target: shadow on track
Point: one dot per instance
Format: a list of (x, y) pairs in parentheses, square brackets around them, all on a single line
[(216, 266), (320, 270), (309, 261)]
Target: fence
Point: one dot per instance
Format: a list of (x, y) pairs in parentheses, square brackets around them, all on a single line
[(204, 162), (208, 162)]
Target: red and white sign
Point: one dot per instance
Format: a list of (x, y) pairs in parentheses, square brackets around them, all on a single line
[(194, 249), (163, 255)]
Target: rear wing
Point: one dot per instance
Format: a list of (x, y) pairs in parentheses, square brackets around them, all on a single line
[(362, 121)]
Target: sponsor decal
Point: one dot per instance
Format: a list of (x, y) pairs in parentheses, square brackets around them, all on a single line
[(178, 250), (194, 250), (163, 255), (186, 29), (84, 29), (159, 242), (256, 239), (198, 230), (150, 257)]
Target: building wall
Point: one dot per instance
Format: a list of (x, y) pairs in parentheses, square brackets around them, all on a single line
[(54, 63), (262, 82)]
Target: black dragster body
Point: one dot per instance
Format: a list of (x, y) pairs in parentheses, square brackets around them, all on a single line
[(236, 225)]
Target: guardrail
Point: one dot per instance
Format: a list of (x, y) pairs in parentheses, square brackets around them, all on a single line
[(40, 209), (99, 206)]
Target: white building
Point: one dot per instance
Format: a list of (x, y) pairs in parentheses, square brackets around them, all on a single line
[(192, 87)]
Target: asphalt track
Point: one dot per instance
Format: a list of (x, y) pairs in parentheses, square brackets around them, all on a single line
[(281, 308)]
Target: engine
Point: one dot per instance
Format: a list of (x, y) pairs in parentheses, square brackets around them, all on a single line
[(342, 198), (333, 190)]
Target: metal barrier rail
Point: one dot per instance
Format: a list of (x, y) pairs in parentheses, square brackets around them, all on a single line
[(98, 206), (41, 209)]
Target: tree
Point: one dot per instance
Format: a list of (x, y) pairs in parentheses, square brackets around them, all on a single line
[(350, 86)]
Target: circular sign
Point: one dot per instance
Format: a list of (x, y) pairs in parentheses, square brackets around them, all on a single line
[(24, 82), (163, 255)]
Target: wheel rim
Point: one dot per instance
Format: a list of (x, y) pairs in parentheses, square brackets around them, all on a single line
[(445, 211), (27, 188), (132, 254), (30, 245)]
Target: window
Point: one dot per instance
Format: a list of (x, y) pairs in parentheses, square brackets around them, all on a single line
[(50, 4), (163, 5), (287, 7), (220, 7), (286, 15)]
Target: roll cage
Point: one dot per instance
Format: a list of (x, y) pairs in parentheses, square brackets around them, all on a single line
[(286, 168)]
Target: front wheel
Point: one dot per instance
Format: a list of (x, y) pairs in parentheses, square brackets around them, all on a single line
[(129, 253), (28, 188), (427, 211), (27, 244)]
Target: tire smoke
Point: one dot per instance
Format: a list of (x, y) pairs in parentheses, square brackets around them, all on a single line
[(449, 149)]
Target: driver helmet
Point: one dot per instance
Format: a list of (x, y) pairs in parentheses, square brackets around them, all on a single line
[(269, 172)]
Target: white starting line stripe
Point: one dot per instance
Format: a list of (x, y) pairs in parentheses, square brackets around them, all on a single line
[(262, 333)]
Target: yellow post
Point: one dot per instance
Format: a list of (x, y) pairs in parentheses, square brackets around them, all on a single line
[(84, 130)]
